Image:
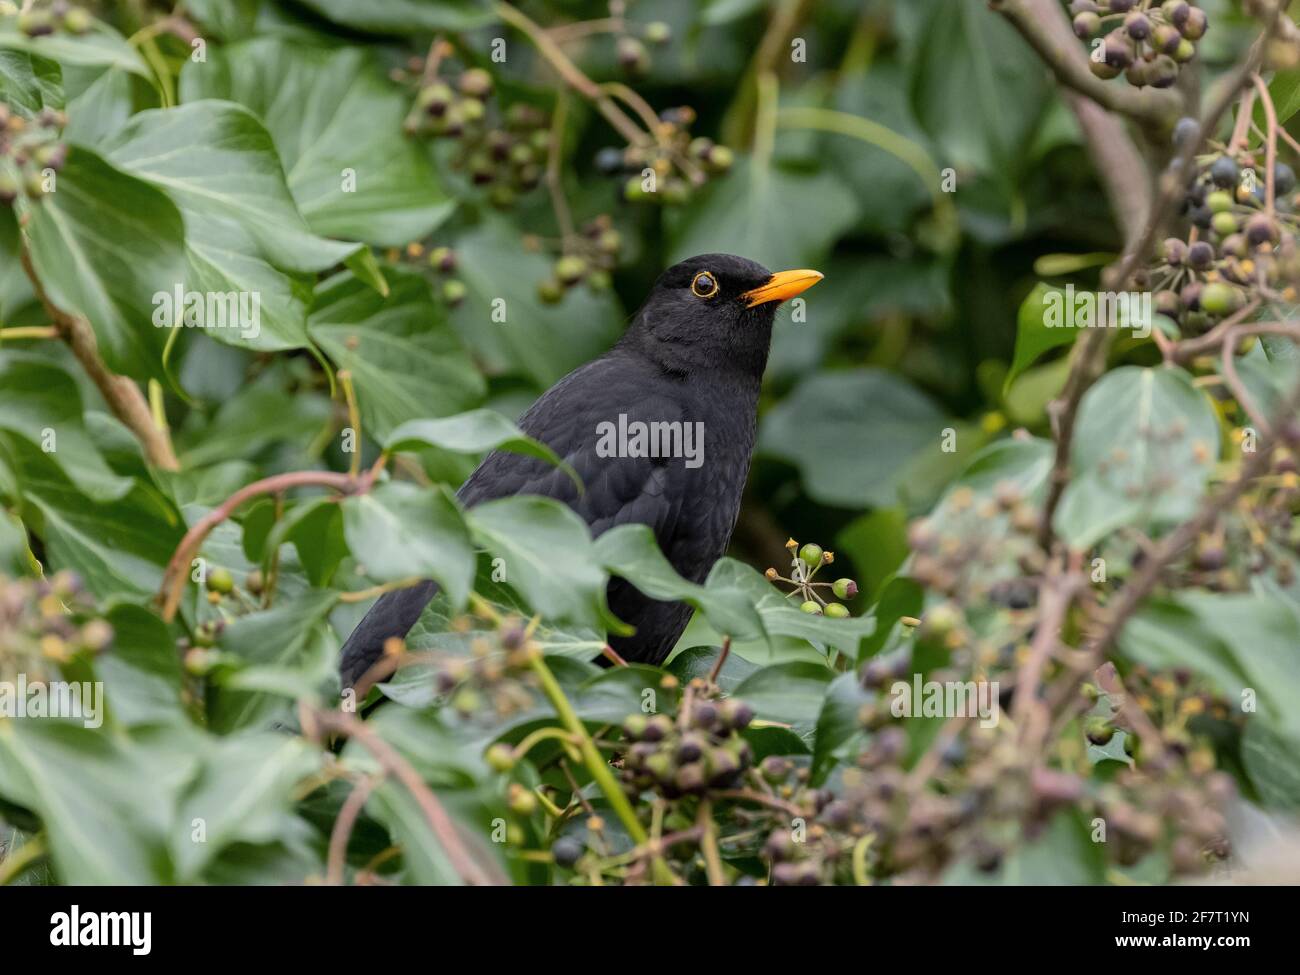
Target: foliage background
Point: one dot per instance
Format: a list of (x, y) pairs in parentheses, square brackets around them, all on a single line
[(225, 175)]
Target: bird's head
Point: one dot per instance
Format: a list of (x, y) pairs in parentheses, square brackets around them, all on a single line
[(714, 312)]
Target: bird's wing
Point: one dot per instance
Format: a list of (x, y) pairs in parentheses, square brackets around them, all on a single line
[(615, 490), (569, 419)]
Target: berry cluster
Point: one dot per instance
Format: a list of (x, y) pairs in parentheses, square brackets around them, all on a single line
[(1239, 247), (503, 152), (805, 562), (45, 623), (587, 259), (1147, 42), (28, 148), (669, 169), (496, 681), (59, 15), (701, 750)]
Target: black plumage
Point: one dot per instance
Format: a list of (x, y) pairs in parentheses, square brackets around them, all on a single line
[(694, 353)]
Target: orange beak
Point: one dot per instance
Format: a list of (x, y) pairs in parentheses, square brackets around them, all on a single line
[(781, 286)]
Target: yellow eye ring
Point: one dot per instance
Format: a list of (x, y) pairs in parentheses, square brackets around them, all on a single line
[(705, 285)]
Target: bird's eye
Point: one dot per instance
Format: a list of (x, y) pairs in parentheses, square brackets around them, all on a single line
[(705, 285)]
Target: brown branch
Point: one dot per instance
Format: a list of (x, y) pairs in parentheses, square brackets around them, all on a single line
[(173, 583), (1089, 353), (572, 75), (121, 394), (392, 762), (341, 834), (1044, 25)]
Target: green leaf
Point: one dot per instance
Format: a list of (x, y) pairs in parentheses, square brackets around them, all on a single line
[(244, 234), (548, 557), (1145, 443), (886, 420), (977, 88), (243, 793), (789, 693), (838, 722), (405, 362), (29, 83), (117, 547), (540, 341), (106, 803), (1269, 754), (104, 244), (42, 404), (630, 551), (399, 531), (217, 161), (475, 432), (335, 120), (780, 219), (700, 661), (142, 669), (99, 47), (406, 16), (1033, 336)]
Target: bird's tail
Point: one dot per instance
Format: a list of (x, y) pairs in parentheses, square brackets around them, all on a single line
[(393, 614)]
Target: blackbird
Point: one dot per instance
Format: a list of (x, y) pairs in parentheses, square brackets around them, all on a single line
[(659, 429)]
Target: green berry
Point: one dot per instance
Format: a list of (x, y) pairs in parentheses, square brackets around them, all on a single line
[(501, 757), (844, 588), (454, 291), (657, 32), (812, 555), (812, 607), (443, 259), (550, 291), (570, 269), (1219, 201), (1218, 298), (1224, 224), (220, 580), (1099, 730), (521, 800), (837, 611)]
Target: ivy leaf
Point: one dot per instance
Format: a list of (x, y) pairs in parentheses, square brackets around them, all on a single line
[(1145, 443), (337, 124), (400, 531), (42, 404), (548, 557), (888, 422), (779, 218), (475, 432), (1033, 337), (789, 693), (101, 46), (540, 341), (406, 16), (104, 244), (406, 364), (29, 83)]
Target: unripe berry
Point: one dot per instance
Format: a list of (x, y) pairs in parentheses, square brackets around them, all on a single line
[(570, 269), (475, 82), (844, 588), (1224, 224), (811, 554), (220, 581), (837, 611), (521, 800), (812, 607), (501, 757), (454, 292), (1218, 298)]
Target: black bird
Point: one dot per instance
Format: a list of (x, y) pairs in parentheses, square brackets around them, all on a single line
[(694, 354)]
